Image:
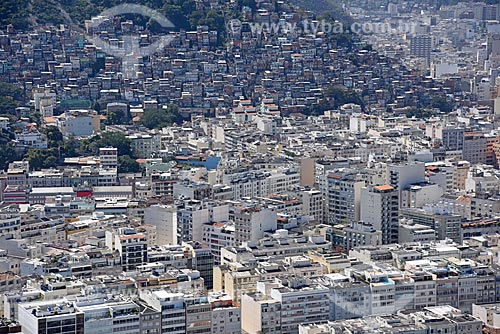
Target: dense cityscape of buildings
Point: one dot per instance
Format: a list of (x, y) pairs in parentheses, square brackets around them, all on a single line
[(308, 182)]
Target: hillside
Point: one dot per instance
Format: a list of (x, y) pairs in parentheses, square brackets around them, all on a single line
[(25, 13)]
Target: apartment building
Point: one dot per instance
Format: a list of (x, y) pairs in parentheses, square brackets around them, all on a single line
[(443, 319), (474, 150), (313, 205), (145, 145), (131, 245), (381, 208), (164, 218), (446, 225), (172, 308), (251, 222), (226, 316), (80, 123), (108, 157), (218, 235), (300, 303), (51, 316), (193, 214), (109, 315), (10, 221), (343, 196), (361, 234)]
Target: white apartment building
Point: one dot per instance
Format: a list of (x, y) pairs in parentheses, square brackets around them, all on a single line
[(143, 190), (261, 184), (51, 316), (442, 319), (226, 320), (145, 145), (449, 176), (81, 123), (416, 196), (226, 315), (193, 214), (299, 303), (313, 205), (164, 218), (32, 138), (10, 221), (252, 222), (402, 176), (218, 235), (410, 232), (198, 314), (342, 192), (261, 315), (383, 291), (380, 208), (361, 234), (108, 157), (132, 246), (348, 299), (109, 316), (172, 308)]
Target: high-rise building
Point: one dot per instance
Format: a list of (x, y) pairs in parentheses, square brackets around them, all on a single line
[(113, 315), (164, 218), (381, 209), (474, 151), (132, 246), (192, 214), (251, 222), (108, 157), (218, 235), (172, 308), (403, 176), (343, 197), (50, 317), (203, 261), (313, 205), (198, 314), (421, 46)]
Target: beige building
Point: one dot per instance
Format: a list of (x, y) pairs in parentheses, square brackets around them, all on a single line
[(262, 314)]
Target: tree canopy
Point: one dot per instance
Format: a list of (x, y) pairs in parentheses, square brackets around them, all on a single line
[(42, 158), (107, 139), (8, 154), (157, 119), (54, 136), (335, 97), (11, 97), (128, 165)]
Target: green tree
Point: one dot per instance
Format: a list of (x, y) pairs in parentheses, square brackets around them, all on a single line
[(42, 158), (420, 113), (128, 165), (54, 136), (441, 103), (11, 97), (117, 140), (157, 119), (247, 3), (334, 97), (14, 12), (106, 139), (116, 117), (8, 154), (70, 146)]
